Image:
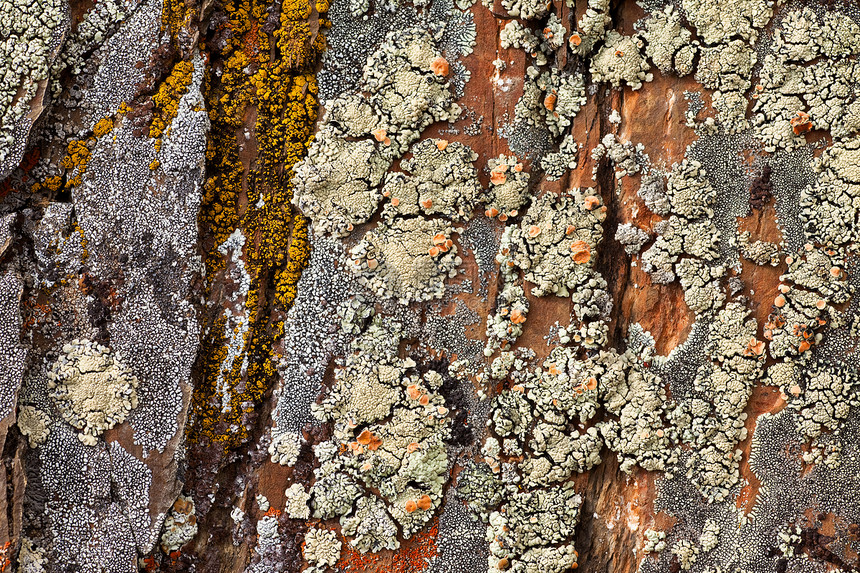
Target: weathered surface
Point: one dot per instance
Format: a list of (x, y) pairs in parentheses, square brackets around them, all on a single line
[(442, 286)]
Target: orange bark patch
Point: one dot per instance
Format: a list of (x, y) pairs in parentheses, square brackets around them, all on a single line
[(412, 556)]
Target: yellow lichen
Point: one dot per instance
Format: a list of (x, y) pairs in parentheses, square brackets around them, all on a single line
[(175, 14), (78, 155), (166, 98), (74, 163), (278, 83), (103, 127)]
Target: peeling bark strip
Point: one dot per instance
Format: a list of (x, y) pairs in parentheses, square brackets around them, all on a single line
[(443, 286)]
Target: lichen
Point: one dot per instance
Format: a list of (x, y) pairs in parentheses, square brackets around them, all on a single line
[(180, 526), (620, 60), (93, 389), (321, 549)]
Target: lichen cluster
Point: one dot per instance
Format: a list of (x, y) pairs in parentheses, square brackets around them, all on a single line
[(93, 389), (683, 414), (241, 202), (101, 218), (366, 279), (390, 429)]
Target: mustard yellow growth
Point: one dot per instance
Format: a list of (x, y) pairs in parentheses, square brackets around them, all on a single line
[(287, 277), (103, 127), (74, 163), (84, 253), (271, 76), (54, 183), (174, 15), (78, 155), (166, 98)]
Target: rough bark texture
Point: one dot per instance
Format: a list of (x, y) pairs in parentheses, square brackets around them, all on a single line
[(271, 299)]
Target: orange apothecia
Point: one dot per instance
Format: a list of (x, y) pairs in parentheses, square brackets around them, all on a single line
[(581, 252)]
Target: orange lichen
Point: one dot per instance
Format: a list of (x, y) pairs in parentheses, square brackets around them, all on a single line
[(424, 502), (103, 127), (75, 161), (517, 316), (581, 252), (801, 123), (439, 66), (411, 557), (497, 177), (166, 98), (5, 557), (367, 438), (754, 348)]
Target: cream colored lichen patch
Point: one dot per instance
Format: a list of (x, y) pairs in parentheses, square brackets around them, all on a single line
[(338, 190), (551, 99), (668, 42), (556, 242), (620, 60), (337, 184), (93, 390), (321, 548), (370, 397), (284, 448), (31, 557), (442, 180), (180, 526), (33, 423), (727, 66), (719, 20), (408, 259), (389, 432), (28, 40), (297, 502)]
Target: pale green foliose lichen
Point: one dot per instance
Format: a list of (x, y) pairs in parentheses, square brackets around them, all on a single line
[(92, 388)]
